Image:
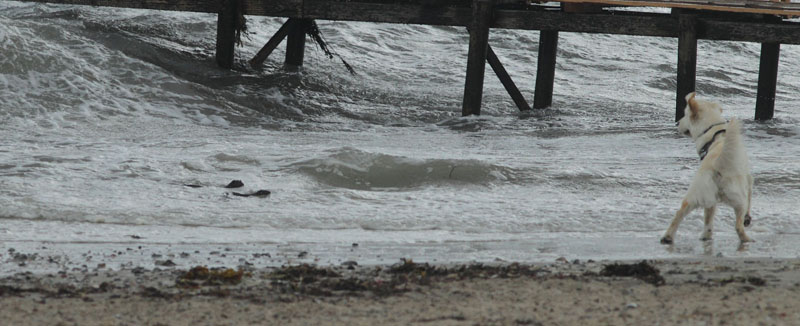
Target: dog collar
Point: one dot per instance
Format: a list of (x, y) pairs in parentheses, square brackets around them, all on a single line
[(712, 126), (704, 150)]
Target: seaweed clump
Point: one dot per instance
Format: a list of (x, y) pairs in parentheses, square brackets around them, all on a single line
[(409, 268), (642, 270), (309, 279), (316, 35), (201, 275), (304, 273), (754, 280)]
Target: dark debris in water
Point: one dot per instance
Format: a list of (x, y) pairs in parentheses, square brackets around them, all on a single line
[(165, 263), (260, 193), (235, 184), (642, 270)]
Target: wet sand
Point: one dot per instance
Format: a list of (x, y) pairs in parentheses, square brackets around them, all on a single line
[(710, 291)]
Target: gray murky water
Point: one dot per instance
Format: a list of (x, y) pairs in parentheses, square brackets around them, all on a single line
[(106, 114)]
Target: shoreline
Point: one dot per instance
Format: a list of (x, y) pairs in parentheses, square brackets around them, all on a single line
[(710, 291), (51, 247)]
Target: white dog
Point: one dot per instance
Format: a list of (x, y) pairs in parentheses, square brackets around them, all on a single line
[(724, 174)]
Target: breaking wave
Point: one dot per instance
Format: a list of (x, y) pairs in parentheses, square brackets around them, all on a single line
[(355, 169)]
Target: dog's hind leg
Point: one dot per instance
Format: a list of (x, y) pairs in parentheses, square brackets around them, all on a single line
[(740, 213), (686, 208), (747, 217), (709, 221)]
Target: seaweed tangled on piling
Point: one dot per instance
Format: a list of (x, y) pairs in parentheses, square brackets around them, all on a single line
[(241, 22), (316, 35)]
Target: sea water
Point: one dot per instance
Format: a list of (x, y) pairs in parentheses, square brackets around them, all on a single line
[(107, 114)]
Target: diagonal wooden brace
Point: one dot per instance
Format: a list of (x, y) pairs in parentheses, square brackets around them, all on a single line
[(273, 42), (505, 78)]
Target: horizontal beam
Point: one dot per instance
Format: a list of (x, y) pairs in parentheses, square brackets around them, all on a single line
[(622, 23), (642, 24), (209, 6), (388, 13), (751, 7), (279, 8), (786, 33), (534, 18)]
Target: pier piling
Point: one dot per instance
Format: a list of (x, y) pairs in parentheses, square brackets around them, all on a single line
[(767, 80), (476, 58), (226, 33), (687, 61), (545, 69), (296, 43)]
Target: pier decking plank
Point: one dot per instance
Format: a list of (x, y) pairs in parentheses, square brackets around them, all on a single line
[(531, 18), (333, 8), (747, 6)]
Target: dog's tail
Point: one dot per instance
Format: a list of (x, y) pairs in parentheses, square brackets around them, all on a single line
[(733, 155)]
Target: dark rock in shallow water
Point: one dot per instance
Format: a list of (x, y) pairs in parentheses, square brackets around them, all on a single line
[(193, 186), (260, 193), (165, 263), (235, 184)]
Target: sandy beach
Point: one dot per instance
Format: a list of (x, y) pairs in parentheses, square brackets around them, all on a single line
[(712, 291)]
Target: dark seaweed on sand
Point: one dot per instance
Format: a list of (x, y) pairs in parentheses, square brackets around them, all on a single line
[(201, 275), (641, 270), (305, 273), (409, 267)]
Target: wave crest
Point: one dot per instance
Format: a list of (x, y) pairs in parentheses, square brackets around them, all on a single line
[(355, 169)]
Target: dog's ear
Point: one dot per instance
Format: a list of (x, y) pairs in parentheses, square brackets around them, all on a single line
[(693, 107)]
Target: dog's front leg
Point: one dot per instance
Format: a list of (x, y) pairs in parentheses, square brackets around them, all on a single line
[(686, 208), (709, 222), (740, 213)]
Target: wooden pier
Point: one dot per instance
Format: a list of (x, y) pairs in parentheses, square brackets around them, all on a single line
[(764, 22)]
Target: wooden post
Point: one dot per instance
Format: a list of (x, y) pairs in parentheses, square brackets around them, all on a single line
[(502, 74), (767, 80), (687, 61), (476, 58), (273, 42), (545, 69), (226, 33), (296, 43)]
